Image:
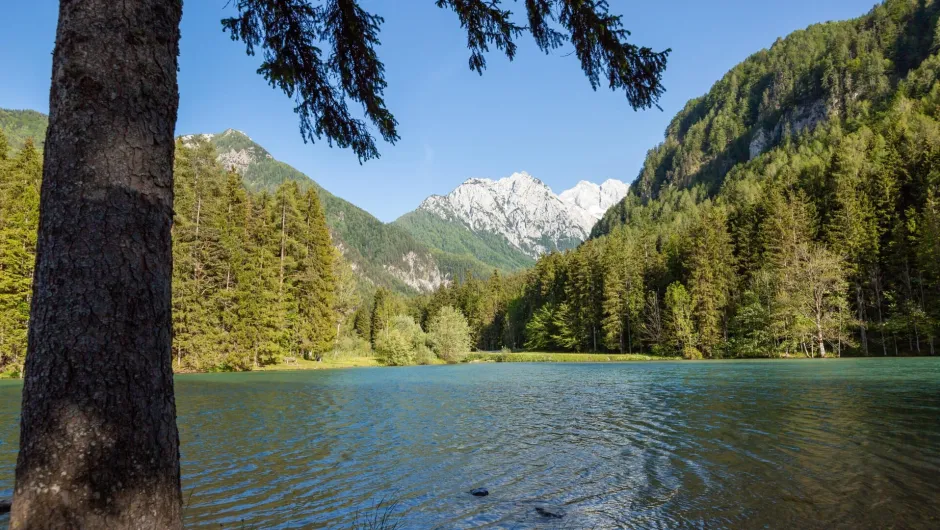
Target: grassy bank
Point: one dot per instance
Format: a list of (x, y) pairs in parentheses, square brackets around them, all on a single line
[(544, 357), (497, 357), (325, 364), (344, 361)]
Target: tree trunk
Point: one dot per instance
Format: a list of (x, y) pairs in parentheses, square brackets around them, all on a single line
[(862, 325), (99, 446)]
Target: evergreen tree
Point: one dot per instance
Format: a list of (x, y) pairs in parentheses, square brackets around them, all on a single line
[(19, 219), (711, 280), (679, 328)]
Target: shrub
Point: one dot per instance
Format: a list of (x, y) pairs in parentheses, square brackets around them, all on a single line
[(449, 334), (352, 346), (397, 345), (424, 355), (691, 353)]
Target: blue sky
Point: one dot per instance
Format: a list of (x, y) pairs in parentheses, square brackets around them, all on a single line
[(536, 114)]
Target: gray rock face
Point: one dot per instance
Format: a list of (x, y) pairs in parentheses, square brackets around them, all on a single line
[(796, 120)]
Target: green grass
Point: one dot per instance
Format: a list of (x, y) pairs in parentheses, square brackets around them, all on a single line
[(326, 363), (544, 357)]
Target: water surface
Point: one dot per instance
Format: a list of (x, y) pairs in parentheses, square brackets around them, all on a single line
[(764, 444)]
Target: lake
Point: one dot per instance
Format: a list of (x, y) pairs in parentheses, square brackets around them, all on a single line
[(799, 444)]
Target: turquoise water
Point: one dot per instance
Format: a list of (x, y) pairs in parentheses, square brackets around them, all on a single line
[(797, 444)]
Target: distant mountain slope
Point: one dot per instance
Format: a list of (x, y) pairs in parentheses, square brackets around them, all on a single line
[(385, 254), (829, 72), (453, 237), (511, 221), (18, 125)]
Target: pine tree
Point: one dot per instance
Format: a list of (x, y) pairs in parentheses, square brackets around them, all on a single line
[(19, 219), (711, 265), (315, 285), (382, 314)]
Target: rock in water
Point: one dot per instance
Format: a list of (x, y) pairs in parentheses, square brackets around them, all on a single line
[(479, 492), (546, 510), (5, 505)]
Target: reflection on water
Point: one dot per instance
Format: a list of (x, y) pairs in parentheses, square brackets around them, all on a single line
[(800, 444)]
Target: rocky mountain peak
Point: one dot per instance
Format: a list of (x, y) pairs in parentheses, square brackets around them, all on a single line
[(525, 211)]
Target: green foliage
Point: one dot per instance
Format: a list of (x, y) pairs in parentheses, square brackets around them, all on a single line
[(680, 332), (254, 275), (400, 342), (21, 125), (351, 346), (375, 248), (20, 177), (449, 335), (454, 238)]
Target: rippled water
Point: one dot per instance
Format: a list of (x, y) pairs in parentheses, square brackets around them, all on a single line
[(798, 444)]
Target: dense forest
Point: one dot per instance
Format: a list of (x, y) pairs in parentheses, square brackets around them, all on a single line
[(256, 278), (792, 211)]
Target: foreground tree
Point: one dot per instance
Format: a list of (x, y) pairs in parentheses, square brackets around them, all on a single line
[(99, 445)]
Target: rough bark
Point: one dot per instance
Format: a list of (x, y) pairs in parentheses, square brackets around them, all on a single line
[(99, 446)]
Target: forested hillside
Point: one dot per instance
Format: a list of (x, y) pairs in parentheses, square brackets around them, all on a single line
[(19, 125), (256, 278), (455, 238), (793, 210), (385, 254)]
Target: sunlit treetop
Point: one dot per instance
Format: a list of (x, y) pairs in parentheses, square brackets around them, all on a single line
[(323, 54)]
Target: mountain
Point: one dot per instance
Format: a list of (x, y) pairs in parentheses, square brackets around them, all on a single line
[(510, 221), (18, 125), (793, 210), (588, 202), (384, 254), (831, 72)]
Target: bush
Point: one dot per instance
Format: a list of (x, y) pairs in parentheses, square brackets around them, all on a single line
[(449, 334), (352, 346), (397, 345), (424, 355), (691, 353)]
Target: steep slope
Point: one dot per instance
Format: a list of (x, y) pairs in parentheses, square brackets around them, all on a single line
[(385, 254), (510, 221), (828, 72), (18, 125), (792, 211), (454, 237)]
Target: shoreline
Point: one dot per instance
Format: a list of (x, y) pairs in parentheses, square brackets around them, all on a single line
[(301, 365)]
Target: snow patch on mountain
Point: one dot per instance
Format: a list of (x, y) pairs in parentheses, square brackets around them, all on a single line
[(594, 199), (526, 212)]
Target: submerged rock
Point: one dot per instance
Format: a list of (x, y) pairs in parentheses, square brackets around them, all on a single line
[(5, 505), (479, 492), (547, 510)]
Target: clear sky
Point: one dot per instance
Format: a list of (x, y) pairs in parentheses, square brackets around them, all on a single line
[(536, 114)]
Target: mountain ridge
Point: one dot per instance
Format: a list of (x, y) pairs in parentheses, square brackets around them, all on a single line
[(427, 247), (519, 216)]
